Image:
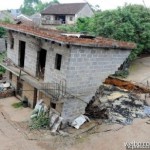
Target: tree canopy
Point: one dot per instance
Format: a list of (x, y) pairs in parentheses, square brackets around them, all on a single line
[(129, 23), (30, 7)]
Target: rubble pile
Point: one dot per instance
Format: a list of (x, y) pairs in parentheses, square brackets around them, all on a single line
[(117, 105)]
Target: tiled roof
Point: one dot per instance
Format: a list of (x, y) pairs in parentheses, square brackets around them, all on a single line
[(54, 35), (65, 9)]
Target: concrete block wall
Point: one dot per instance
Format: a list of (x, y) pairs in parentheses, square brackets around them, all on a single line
[(2, 45), (13, 53), (72, 108), (53, 75), (14, 80), (90, 66), (32, 48)]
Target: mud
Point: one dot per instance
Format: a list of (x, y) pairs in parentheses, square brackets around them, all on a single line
[(133, 87)]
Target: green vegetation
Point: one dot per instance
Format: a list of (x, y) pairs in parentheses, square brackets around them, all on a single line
[(121, 73), (129, 23), (2, 69), (5, 20), (31, 7), (40, 122), (2, 32), (17, 105), (2, 56)]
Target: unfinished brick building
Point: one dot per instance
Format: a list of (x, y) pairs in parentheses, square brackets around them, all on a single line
[(64, 71)]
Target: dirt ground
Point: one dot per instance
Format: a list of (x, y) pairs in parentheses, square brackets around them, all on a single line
[(140, 70), (15, 134)]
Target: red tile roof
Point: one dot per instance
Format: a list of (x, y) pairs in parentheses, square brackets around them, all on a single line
[(54, 35)]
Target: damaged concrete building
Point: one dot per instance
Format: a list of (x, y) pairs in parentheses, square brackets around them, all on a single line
[(64, 70)]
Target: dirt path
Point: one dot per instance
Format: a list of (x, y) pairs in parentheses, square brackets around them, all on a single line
[(10, 136), (115, 139), (104, 137)]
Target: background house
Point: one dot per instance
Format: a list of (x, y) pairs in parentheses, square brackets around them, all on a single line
[(57, 14)]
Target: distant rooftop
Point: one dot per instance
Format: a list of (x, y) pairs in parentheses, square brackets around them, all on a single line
[(56, 36), (65, 9)]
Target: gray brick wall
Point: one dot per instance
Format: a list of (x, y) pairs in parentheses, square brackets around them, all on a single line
[(90, 66), (52, 74), (30, 52), (13, 53), (30, 65), (87, 70), (72, 108), (2, 45)]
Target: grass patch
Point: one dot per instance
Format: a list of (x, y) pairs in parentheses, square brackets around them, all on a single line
[(40, 122), (17, 105)]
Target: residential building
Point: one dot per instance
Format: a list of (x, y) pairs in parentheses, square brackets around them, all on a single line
[(64, 70), (68, 13)]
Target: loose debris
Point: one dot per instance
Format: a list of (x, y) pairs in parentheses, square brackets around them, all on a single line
[(79, 121), (116, 105), (42, 118), (127, 85), (55, 121), (6, 90)]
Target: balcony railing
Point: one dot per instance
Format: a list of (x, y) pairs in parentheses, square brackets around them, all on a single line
[(57, 90)]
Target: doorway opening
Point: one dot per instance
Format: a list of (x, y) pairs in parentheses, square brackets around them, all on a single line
[(22, 46), (41, 63)]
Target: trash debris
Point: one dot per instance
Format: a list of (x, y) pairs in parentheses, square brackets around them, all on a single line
[(56, 124), (147, 110), (79, 121), (55, 120), (6, 85), (40, 107), (6, 90)]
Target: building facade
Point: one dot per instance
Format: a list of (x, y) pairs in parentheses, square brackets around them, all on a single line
[(64, 71), (58, 14)]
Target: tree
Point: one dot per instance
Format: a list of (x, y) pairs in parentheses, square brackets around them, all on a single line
[(130, 23), (2, 32), (30, 7)]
